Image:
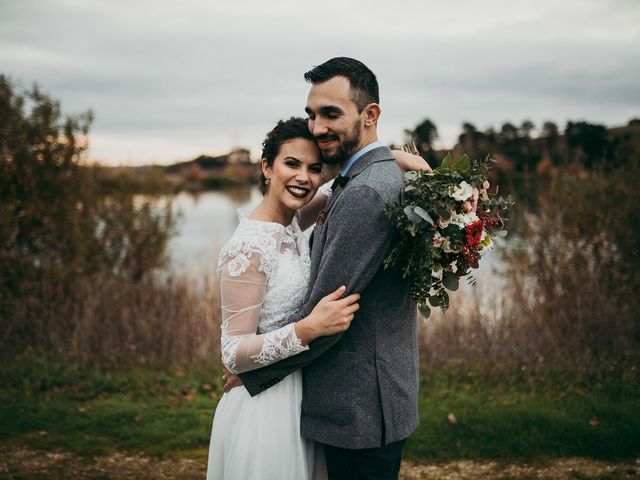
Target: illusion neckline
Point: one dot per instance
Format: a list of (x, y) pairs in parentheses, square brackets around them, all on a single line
[(243, 213)]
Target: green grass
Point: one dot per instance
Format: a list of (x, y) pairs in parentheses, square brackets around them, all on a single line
[(89, 411), (168, 412), (513, 420)]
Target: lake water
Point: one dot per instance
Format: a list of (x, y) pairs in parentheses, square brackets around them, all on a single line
[(209, 218), (207, 221)]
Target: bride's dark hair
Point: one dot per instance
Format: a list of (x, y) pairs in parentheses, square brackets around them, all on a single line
[(285, 130)]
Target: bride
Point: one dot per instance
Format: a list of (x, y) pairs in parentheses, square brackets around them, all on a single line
[(264, 270)]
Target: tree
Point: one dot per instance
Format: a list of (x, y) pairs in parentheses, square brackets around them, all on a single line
[(56, 226), (423, 135), (526, 127), (550, 136), (468, 139), (517, 145), (587, 143)]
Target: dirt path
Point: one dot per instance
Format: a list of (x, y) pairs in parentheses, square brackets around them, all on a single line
[(24, 464)]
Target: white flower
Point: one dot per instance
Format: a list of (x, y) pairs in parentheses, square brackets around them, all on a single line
[(462, 191), (437, 274), (438, 239), (486, 243), (464, 219)]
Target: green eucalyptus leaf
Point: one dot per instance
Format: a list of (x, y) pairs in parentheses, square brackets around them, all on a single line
[(446, 161), (425, 216), (463, 164), (408, 188), (424, 310), (410, 175), (435, 300), (500, 234), (450, 281), (408, 210)]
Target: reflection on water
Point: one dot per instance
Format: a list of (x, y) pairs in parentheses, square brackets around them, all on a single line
[(207, 221)]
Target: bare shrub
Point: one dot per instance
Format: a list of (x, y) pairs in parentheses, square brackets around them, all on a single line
[(570, 287)]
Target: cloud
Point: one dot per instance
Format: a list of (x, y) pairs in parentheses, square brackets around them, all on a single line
[(168, 80)]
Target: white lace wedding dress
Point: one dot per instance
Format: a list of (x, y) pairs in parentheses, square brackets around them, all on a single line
[(264, 271)]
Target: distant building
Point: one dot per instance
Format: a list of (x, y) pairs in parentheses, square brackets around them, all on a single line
[(237, 156)]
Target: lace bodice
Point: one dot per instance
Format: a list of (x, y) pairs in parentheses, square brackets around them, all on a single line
[(264, 272)]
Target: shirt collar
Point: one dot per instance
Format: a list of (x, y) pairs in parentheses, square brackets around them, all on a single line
[(345, 169)]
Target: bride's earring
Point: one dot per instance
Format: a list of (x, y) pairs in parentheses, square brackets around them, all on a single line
[(267, 181)]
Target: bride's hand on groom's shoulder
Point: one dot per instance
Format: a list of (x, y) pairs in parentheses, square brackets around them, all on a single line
[(410, 162), (332, 315)]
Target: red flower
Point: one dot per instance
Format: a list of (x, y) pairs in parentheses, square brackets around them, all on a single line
[(491, 221), (474, 233), (471, 255)]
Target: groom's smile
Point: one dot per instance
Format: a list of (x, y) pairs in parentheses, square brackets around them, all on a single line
[(325, 142)]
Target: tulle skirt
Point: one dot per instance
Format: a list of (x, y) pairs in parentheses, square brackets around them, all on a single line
[(256, 438)]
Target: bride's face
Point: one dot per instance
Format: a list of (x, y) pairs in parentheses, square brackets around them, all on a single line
[(296, 173)]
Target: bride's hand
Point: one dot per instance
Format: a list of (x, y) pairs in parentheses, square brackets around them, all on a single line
[(408, 161), (330, 316), (229, 380)]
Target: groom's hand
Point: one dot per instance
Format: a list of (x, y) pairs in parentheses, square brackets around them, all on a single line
[(229, 380)]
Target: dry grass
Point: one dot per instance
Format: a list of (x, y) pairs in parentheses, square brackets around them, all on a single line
[(163, 317), (567, 296)]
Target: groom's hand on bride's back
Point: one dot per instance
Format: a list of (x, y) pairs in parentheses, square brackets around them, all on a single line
[(229, 380)]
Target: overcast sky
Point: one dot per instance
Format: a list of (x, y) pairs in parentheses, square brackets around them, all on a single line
[(168, 80)]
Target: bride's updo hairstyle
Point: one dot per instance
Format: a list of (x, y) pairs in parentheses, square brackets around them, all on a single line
[(285, 130)]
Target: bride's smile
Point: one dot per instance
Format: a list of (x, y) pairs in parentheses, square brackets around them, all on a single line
[(298, 192)]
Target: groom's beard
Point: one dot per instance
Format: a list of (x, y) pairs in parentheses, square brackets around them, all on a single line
[(345, 149)]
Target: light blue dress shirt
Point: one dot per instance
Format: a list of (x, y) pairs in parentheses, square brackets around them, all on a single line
[(344, 170)]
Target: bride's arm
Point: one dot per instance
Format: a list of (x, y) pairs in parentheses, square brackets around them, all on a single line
[(242, 287), (408, 161), (308, 214)]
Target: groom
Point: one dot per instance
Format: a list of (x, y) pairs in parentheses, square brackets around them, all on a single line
[(360, 387)]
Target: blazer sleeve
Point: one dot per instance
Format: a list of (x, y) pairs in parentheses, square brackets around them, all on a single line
[(358, 238)]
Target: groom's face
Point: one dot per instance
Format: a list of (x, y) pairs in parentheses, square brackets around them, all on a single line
[(334, 119)]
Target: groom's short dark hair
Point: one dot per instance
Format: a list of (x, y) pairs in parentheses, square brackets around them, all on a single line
[(364, 84)]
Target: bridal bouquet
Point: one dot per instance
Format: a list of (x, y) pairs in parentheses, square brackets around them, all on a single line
[(446, 221)]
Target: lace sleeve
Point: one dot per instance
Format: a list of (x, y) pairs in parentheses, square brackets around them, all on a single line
[(243, 279)]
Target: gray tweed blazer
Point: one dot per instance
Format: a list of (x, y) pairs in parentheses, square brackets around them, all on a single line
[(360, 388)]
